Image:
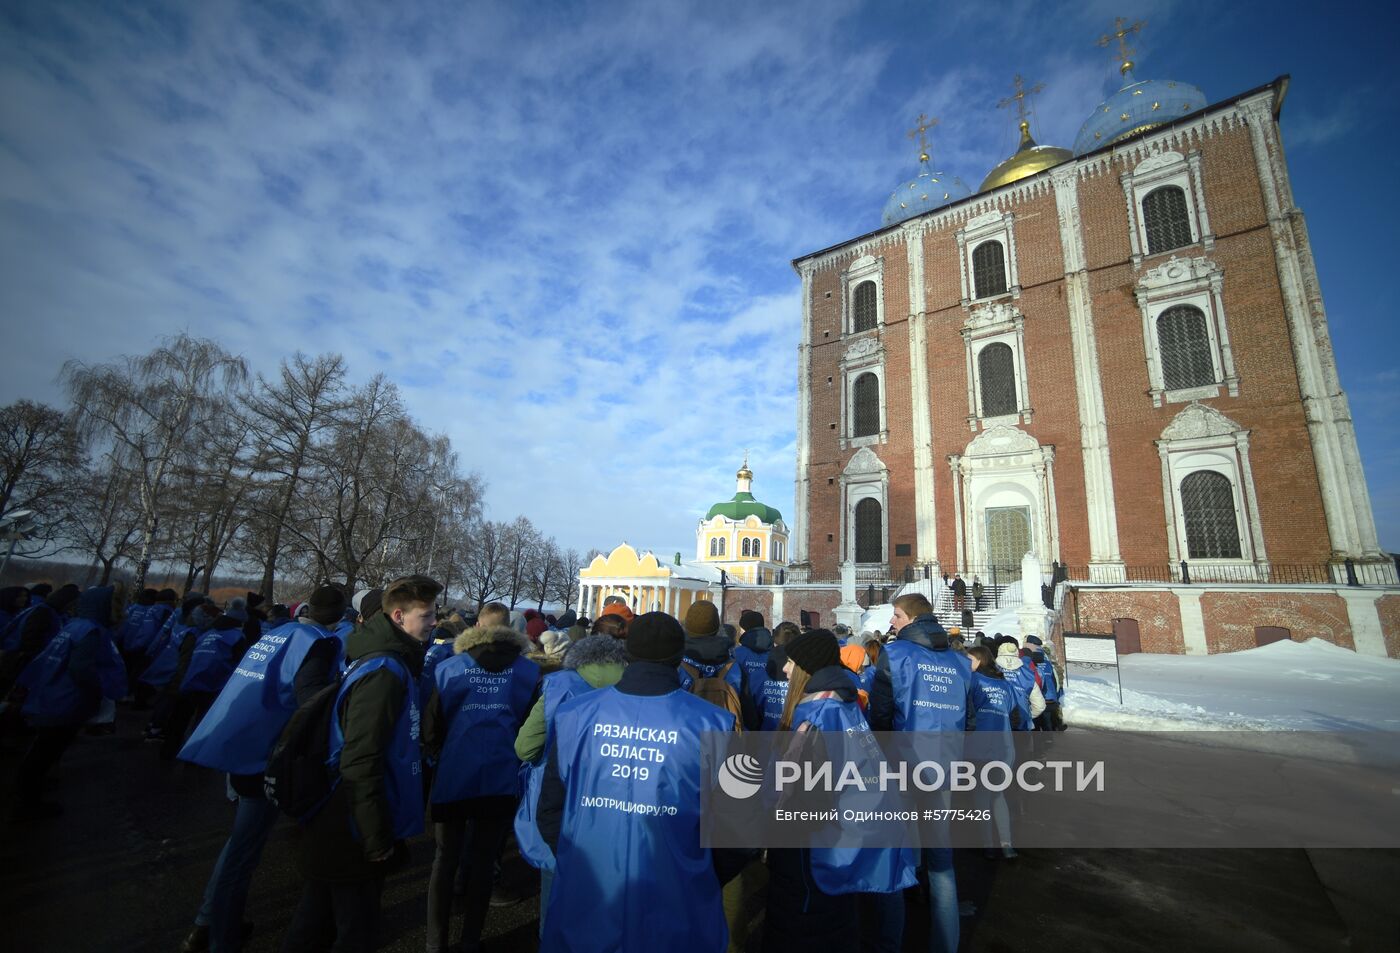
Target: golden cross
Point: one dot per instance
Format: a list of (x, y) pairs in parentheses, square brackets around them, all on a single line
[(1022, 113), (918, 133), (1121, 34)]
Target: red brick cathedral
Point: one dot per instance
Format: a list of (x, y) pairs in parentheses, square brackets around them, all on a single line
[(1114, 357)]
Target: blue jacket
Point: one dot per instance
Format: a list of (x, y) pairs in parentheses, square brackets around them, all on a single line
[(557, 688), (131, 625), (994, 700), (403, 782), (752, 653), (146, 638), (922, 684), (79, 667)]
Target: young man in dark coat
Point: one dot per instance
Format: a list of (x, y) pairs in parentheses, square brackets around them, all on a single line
[(347, 849)]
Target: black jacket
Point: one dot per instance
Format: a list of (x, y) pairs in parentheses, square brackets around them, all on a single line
[(326, 849)]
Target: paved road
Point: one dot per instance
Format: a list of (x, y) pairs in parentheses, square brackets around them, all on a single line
[(123, 870)]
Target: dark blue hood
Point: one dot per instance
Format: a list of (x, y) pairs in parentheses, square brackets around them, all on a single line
[(925, 631), (95, 605), (833, 678), (757, 640)]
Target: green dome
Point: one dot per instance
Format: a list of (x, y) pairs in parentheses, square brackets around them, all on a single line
[(742, 507)]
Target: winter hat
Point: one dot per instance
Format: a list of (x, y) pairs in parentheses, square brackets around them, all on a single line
[(531, 614), (595, 650), (190, 604), (371, 603), (254, 599), (358, 598), (618, 608), (202, 616), (749, 619), (1007, 648), (569, 618), (278, 613), (854, 657), (63, 597), (815, 650), (535, 628), (40, 591), (327, 605), (655, 637), (146, 597), (168, 595), (237, 609), (701, 619), (1033, 640)]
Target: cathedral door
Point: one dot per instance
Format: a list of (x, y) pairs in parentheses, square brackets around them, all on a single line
[(1008, 537)]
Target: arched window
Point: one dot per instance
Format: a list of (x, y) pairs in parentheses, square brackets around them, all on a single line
[(863, 307), (714, 547), (989, 269), (1166, 219), (1185, 345), (1208, 505), (996, 375), (867, 406), (721, 546), (758, 548), (869, 547), (744, 546)]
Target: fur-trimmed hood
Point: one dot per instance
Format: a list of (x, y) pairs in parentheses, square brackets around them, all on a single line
[(597, 649), (471, 638)]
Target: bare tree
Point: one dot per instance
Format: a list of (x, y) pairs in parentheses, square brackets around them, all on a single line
[(566, 583), (544, 569), (518, 546), (209, 502), (288, 417), (148, 406), (106, 518), (40, 460), (483, 569)]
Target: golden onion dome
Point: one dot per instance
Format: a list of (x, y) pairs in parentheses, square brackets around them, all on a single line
[(1028, 160)]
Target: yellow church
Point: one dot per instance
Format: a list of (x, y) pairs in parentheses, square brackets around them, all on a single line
[(745, 538)]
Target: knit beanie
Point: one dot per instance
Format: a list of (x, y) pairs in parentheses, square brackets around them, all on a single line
[(372, 602), (749, 619), (535, 628), (655, 637), (1008, 648), (1033, 640), (701, 619), (327, 605), (618, 608), (814, 651)]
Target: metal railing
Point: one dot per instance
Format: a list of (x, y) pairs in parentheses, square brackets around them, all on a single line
[(1187, 572)]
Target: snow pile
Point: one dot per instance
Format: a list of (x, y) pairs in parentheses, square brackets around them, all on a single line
[(1288, 686)]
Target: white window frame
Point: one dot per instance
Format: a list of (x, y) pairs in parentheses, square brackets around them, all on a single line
[(995, 323), (990, 226), (1197, 282), (865, 477), (1201, 438), (865, 355), (1166, 168), (865, 268)]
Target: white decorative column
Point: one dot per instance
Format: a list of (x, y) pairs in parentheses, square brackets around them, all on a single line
[(1032, 615), (1366, 630), (849, 611), (925, 523), (801, 483), (1193, 620), (1346, 502), (1105, 561)]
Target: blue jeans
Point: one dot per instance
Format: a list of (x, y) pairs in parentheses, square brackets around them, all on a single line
[(227, 892), (942, 900)]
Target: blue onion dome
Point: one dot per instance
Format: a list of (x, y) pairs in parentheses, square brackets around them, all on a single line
[(1137, 107), (927, 190)]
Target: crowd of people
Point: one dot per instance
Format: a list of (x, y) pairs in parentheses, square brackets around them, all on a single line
[(368, 719)]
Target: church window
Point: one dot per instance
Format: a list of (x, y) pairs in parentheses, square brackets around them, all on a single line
[(1166, 219), (996, 374), (1184, 342), (721, 546), (714, 547), (869, 531), (744, 547), (989, 269), (1208, 508), (758, 548), (864, 307), (867, 406)]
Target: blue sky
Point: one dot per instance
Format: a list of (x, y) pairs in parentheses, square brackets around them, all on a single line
[(565, 229)]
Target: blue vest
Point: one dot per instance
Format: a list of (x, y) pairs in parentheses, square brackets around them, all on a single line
[(17, 624), (255, 705), (1021, 681), (126, 632), (755, 665), (483, 711), (167, 661), (557, 688), (630, 879), (930, 687), (993, 699), (437, 653), (147, 637), (402, 781), (1051, 688), (854, 869), (774, 698), (735, 675), (212, 661), (55, 698)]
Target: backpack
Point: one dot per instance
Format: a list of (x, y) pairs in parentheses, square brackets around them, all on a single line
[(717, 691), (298, 777)]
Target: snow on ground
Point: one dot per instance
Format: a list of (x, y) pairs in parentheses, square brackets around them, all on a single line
[(1285, 686)]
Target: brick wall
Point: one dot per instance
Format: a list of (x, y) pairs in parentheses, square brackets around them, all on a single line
[(1158, 616), (1388, 608), (738, 600), (819, 600), (1231, 617)]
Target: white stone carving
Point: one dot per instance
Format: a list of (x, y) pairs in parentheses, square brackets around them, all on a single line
[(1001, 440), (991, 315), (864, 461), (990, 219), (1162, 160), (863, 348), (1199, 420), (1177, 271)]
